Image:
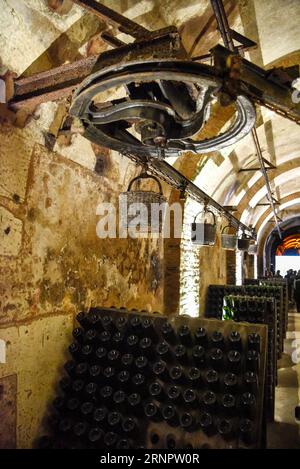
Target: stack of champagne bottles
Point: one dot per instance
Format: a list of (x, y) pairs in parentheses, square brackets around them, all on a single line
[(215, 304), (260, 310), (282, 282), (136, 380)]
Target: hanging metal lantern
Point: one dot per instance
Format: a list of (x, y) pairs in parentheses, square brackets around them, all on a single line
[(148, 203), (243, 243), (228, 241), (253, 248), (204, 234)]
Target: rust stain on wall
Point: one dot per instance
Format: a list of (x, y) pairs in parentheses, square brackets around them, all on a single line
[(8, 414)]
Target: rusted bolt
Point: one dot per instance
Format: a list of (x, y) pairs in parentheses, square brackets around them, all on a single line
[(62, 7)]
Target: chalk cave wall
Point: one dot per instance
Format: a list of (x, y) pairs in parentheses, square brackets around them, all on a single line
[(53, 265)]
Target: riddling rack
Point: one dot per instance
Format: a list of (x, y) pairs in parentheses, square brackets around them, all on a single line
[(215, 299), (137, 380), (260, 310)]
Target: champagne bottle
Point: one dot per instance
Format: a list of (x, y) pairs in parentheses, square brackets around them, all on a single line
[(70, 367), (187, 421), (206, 423), (80, 429), (235, 341), (78, 386), (81, 370), (198, 354), (160, 370), (65, 383), (225, 428), (228, 404), (168, 332), (114, 420), (132, 343), (100, 416), (73, 404), (170, 415), (194, 377), (113, 357), (201, 336), (177, 374), (101, 354), (90, 390), (105, 339), (124, 443), (217, 340), (210, 401), (212, 379), (65, 426), (163, 350), (78, 334), (230, 383), (252, 360), (108, 324), (251, 381), (141, 364), (216, 358), (86, 352), (174, 394), (90, 336), (184, 335), (138, 382), (135, 403), (156, 391), (121, 323), (123, 378), (127, 361), (110, 439), (95, 435), (75, 350), (119, 398), (234, 360), (152, 412), (146, 347), (94, 371), (248, 405), (181, 354), (246, 430), (135, 324), (106, 393), (87, 409), (190, 398), (118, 340), (254, 342), (129, 426)]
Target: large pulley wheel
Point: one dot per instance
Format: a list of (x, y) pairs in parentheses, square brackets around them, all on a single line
[(154, 108)]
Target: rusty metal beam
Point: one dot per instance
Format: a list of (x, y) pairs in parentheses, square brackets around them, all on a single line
[(228, 42), (124, 24), (112, 40), (59, 82)]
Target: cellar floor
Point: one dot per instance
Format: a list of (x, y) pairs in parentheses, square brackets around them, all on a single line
[(285, 432)]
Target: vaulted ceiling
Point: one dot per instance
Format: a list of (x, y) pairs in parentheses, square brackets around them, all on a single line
[(34, 37)]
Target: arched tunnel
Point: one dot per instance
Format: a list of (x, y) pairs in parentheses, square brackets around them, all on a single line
[(149, 197)]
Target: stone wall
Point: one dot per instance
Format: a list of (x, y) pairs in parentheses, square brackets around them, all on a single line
[(53, 264)]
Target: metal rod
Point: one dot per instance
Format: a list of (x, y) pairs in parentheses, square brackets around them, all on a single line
[(223, 25), (267, 182), (112, 40), (225, 31), (125, 25)]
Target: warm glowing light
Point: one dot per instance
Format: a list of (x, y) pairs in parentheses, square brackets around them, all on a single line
[(290, 242)]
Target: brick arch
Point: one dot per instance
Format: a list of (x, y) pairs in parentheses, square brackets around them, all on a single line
[(280, 170), (289, 198)]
